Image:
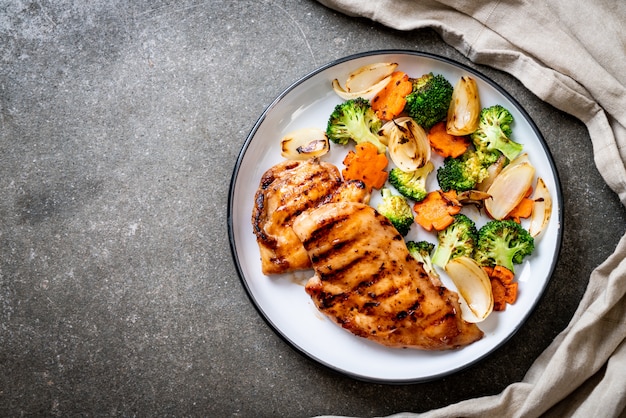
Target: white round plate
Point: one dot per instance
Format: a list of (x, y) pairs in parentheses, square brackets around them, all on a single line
[(282, 301)]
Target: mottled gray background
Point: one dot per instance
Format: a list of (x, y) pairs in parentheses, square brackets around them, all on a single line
[(120, 124)]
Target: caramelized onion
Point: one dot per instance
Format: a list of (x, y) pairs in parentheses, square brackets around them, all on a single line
[(408, 143), (464, 110), (542, 209), (366, 81), (474, 286), (367, 94), (304, 143), (509, 187), (368, 75)]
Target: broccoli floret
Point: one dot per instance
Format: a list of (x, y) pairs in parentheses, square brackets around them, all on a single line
[(421, 250), (458, 239), (463, 173), (355, 120), (487, 157), (411, 184), (428, 103), (503, 243), (397, 209), (494, 132)]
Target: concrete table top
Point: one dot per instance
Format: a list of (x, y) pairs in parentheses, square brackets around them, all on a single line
[(120, 125)]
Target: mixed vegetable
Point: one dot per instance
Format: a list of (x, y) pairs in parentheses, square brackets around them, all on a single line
[(386, 112)]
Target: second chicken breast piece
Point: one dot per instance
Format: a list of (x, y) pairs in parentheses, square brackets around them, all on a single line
[(367, 282)]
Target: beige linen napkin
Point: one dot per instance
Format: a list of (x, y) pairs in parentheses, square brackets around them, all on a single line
[(575, 59)]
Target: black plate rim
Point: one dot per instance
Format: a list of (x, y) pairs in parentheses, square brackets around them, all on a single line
[(291, 87)]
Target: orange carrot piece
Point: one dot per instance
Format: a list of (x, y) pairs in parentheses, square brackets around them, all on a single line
[(499, 295), (503, 287), (367, 165), (390, 101), (445, 144), (511, 293), (523, 209), (436, 210)]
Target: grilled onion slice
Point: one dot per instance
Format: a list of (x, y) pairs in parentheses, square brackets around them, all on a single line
[(408, 143), (509, 187), (474, 286), (368, 75), (464, 110), (367, 94), (305, 143), (366, 81), (542, 209)]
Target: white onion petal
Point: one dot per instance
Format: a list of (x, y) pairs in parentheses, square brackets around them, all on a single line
[(509, 187), (367, 94), (408, 144), (304, 143), (474, 287), (464, 110), (542, 209), (368, 75)]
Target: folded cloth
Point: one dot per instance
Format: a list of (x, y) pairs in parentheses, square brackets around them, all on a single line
[(575, 61)]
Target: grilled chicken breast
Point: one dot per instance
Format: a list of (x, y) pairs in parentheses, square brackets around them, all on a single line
[(285, 191), (367, 282)]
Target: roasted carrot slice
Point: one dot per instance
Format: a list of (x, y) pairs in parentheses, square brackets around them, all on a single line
[(390, 101), (436, 210), (367, 165), (445, 144), (503, 287)]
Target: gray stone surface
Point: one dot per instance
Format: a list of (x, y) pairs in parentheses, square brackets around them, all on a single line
[(120, 124)]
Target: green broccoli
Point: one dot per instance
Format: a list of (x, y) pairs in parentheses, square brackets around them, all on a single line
[(503, 243), (428, 103), (411, 184), (494, 132), (487, 157), (458, 239), (355, 120), (421, 250), (397, 209), (463, 173)]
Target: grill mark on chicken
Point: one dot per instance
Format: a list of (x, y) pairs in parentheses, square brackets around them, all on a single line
[(346, 247), (321, 232), (285, 191), (353, 191), (367, 282)]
